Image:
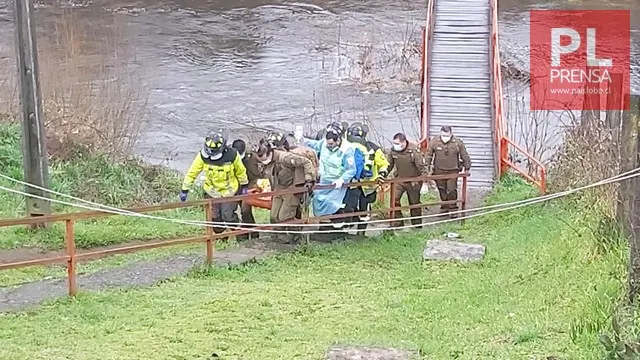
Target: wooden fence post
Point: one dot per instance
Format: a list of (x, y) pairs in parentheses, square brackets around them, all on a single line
[(70, 240), (463, 205), (209, 231), (392, 204)]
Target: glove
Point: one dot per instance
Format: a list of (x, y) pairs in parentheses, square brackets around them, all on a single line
[(338, 183), (298, 133), (243, 190), (183, 195)]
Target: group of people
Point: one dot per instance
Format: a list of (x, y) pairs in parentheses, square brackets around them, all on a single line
[(336, 156)]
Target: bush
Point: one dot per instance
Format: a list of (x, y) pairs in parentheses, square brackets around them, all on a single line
[(95, 177)]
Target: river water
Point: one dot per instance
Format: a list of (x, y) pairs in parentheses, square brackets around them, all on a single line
[(238, 65)]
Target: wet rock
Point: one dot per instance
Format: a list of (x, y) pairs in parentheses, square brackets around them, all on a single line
[(368, 353), (452, 250)]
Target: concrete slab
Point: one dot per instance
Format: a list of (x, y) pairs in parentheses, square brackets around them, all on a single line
[(368, 353), (453, 250)]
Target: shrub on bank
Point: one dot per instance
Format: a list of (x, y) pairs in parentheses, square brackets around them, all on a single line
[(98, 178), (95, 177)]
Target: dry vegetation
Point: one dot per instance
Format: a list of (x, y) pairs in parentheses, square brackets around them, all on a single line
[(379, 60), (92, 100)]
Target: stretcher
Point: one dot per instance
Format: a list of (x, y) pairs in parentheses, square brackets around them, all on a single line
[(260, 202)]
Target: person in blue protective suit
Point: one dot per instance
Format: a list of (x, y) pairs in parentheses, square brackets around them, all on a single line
[(336, 167)]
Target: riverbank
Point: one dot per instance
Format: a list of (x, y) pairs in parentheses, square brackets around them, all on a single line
[(98, 179), (543, 290)]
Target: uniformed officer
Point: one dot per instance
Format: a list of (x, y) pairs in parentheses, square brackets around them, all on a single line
[(277, 140), (448, 155), (285, 170), (254, 173), (408, 162)]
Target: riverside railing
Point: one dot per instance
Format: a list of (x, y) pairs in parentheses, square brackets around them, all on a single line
[(72, 257)]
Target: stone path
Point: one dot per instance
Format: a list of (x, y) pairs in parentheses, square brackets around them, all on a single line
[(137, 274), (369, 353)]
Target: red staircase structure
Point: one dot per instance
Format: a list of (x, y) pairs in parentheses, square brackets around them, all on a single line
[(502, 143)]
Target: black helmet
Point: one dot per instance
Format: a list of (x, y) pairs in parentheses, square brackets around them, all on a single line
[(358, 130), (263, 149), (214, 144), (276, 139), (336, 127)]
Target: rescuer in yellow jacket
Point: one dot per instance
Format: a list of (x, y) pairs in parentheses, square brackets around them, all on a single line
[(225, 176), (376, 167)]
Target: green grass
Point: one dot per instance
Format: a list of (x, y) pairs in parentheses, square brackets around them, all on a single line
[(541, 291)]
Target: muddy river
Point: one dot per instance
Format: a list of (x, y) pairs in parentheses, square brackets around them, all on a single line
[(246, 64)]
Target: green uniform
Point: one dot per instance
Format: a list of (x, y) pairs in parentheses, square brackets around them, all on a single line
[(447, 158), (254, 173), (408, 163), (285, 171)]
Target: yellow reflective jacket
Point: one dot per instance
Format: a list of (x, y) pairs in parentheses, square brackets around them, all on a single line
[(374, 161), (223, 177)]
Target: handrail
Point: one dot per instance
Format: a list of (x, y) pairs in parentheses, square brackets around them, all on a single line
[(542, 172), (497, 95), (502, 142), (425, 71), (70, 219)]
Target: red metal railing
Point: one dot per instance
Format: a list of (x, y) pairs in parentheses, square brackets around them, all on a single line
[(73, 256), (427, 34), (502, 142), (540, 174)]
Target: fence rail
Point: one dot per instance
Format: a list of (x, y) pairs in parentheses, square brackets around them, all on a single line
[(502, 141), (70, 219)]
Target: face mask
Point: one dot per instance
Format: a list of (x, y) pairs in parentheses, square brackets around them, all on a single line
[(334, 147), (268, 161), (445, 138), (397, 147)]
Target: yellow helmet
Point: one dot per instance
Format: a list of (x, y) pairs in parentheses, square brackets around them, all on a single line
[(214, 144)]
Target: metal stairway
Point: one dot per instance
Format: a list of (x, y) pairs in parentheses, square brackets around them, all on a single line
[(460, 82)]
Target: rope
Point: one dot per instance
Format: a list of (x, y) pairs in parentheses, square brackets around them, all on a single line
[(238, 226)]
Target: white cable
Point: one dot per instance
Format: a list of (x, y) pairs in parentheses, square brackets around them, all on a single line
[(240, 225), (557, 195), (236, 227), (222, 224)]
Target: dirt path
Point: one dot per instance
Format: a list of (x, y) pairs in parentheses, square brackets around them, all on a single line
[(145, 273), (137, 274)]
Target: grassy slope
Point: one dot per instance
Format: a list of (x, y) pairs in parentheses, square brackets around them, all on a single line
[(541, 291)]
